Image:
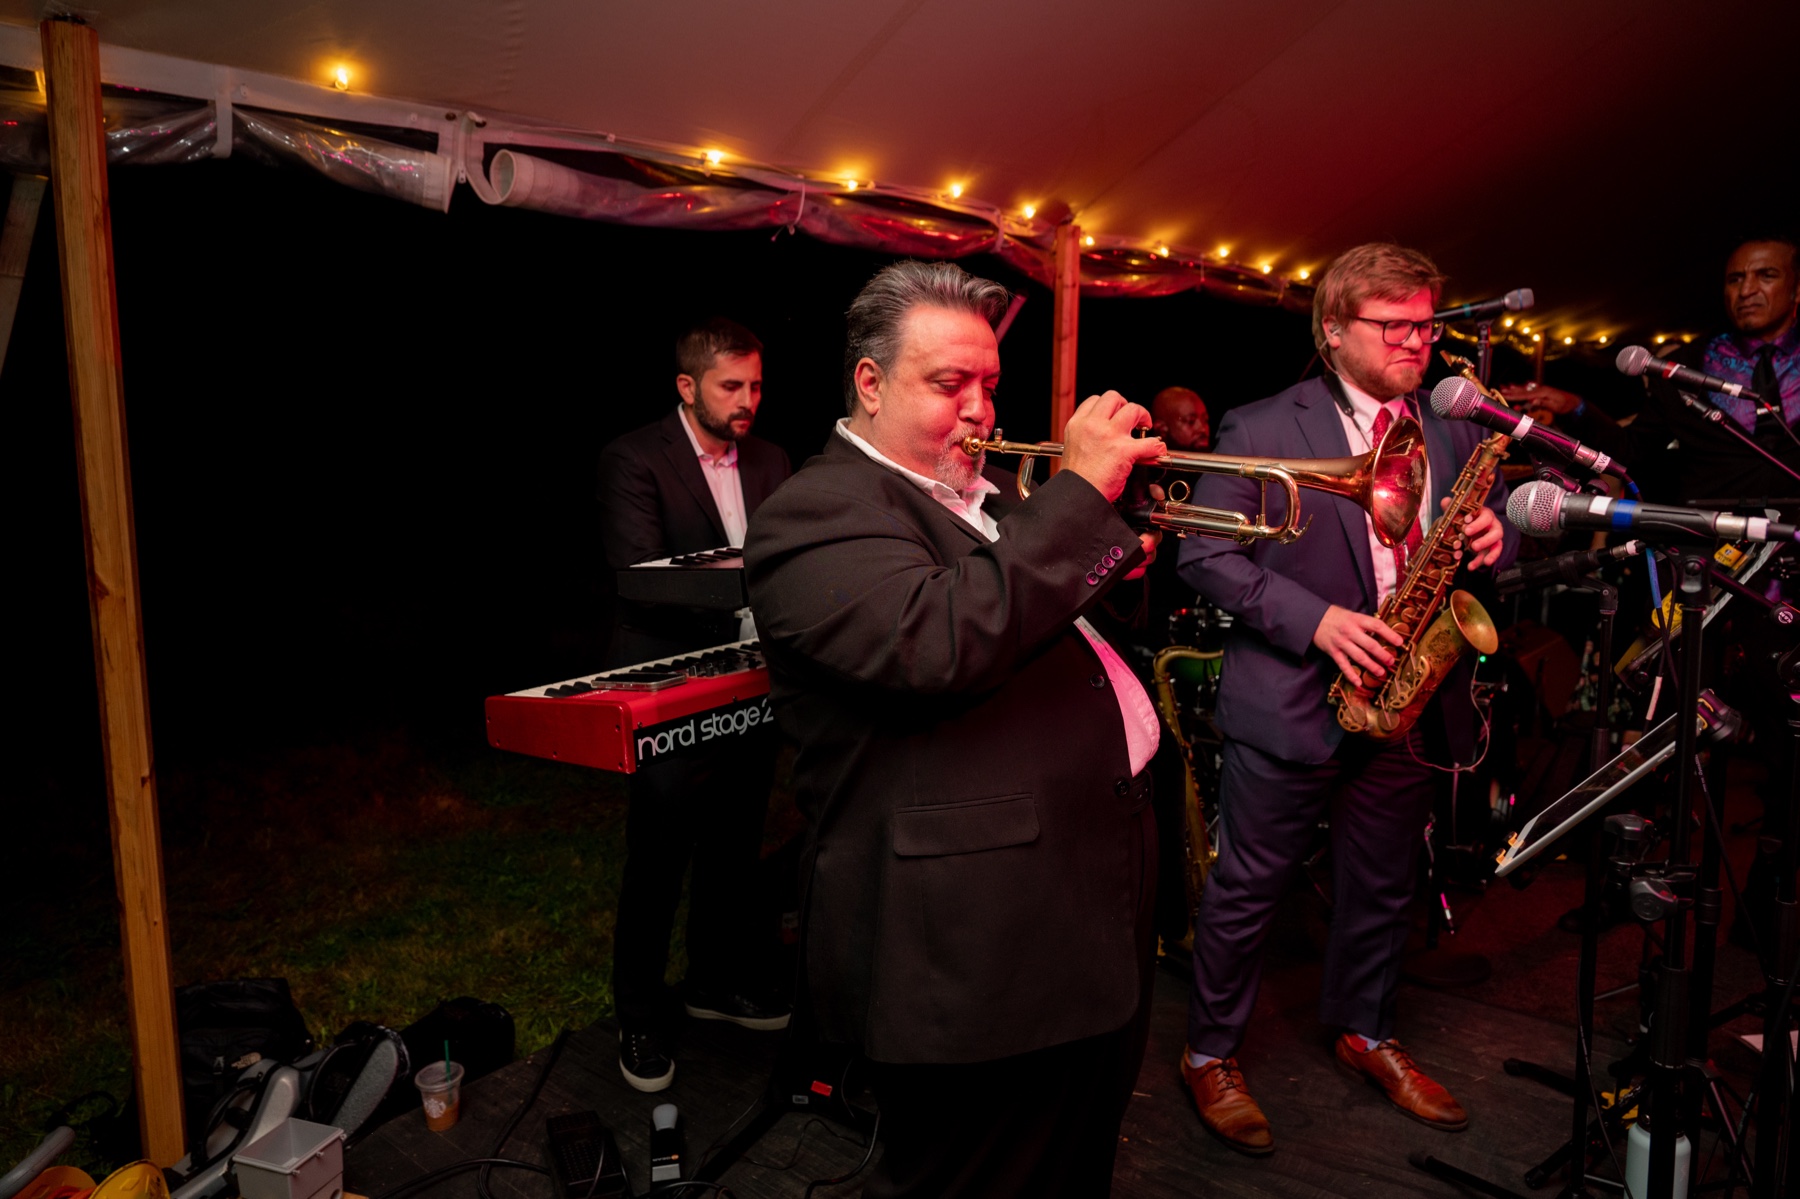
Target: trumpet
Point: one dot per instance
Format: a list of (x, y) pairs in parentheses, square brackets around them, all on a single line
[(1388, 483)]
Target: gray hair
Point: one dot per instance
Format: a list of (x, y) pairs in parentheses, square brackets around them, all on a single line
[(879, 310)]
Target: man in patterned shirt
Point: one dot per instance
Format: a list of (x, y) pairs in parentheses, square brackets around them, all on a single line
[(1677, 452)]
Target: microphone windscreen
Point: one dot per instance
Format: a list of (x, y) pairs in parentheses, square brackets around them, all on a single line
[(1536, 508), (1518, 301), (1632, 360), (1455, 398)]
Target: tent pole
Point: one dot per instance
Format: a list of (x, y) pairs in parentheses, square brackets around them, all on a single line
[(15, 249), (1066, 321), (90, 312)]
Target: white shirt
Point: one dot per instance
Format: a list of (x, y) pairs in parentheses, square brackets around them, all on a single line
[(722, 479), (1358, 423), (1143, 731), (721, 474)]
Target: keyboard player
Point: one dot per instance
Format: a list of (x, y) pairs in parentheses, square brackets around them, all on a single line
[(688, 483)]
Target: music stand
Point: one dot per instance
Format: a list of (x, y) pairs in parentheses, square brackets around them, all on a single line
[(1591, 794)]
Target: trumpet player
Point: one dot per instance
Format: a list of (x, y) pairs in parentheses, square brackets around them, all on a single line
[(1304, 614), (973, 758)]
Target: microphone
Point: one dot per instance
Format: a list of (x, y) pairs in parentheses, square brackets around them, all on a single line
[(1512, 301), (1455, 398), (1542, 509), (1635, 360), (1564, 568), (1482, 310)]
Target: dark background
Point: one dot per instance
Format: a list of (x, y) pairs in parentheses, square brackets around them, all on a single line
[(363, 441)]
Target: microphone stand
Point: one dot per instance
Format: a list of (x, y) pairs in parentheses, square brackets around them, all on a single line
[(1777, 1165), (1484, 349), (1575, 1150), (1717, 416), (1669, 1043)]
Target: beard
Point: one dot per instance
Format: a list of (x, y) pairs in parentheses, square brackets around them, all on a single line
[(1384, 379), (955, 468), (720, 427)]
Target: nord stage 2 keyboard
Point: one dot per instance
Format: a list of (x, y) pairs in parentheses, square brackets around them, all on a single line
[(623, 719)]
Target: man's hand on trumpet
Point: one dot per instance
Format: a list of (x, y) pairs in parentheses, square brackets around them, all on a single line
[(1098, 444)]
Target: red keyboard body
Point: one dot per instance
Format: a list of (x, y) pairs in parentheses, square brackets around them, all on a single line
[(588, 723)]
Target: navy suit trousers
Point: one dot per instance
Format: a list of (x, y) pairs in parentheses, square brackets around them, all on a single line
[(1378, 798)]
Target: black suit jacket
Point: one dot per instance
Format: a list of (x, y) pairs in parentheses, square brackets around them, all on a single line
[(970, 890), (654, 503)]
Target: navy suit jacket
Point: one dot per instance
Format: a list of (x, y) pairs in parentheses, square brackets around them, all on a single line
[(1273, 691)]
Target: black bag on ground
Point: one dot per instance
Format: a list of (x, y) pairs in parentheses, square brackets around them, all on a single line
[(223, 1023), (482, 1039)]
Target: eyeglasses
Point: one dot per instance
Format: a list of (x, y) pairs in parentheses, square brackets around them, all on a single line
[(1396, 333)]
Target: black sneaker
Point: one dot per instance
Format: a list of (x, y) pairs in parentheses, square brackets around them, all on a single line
[(644, 1062), (764, 1015)]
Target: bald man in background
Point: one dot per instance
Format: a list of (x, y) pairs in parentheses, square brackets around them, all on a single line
[(1178, 416)]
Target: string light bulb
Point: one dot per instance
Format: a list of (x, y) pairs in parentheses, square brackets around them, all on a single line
[(1603, 339), (956, 191), (1568, 341), (1088, 240), (1660, 338), (1224, 251), (1030, 210), (1537, 337), (1506, 322), (1266, 268), (340, 78), (850, 185), (1305, 274), (715, 157), (1163, 250)]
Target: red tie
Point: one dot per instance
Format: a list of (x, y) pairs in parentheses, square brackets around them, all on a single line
[(1414, 539)]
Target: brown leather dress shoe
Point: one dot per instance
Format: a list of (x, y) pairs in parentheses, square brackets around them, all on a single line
[(1389, 1068), (1226, 1107)]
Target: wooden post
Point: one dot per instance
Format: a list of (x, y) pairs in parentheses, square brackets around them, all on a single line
[(84, 246), (15, 249), (1066, 321)]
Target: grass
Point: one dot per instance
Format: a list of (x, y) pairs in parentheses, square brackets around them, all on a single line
[(377, 878)]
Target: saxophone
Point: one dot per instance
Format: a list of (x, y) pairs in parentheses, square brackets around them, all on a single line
[(1436, 625), (1198, 851)]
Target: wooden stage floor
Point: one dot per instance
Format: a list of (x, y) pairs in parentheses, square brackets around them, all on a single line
[(1334, 1135)]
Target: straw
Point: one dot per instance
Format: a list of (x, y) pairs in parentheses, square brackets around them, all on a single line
[(446, 1061)]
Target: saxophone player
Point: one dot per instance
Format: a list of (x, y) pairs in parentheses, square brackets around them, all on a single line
[(1304, 614)]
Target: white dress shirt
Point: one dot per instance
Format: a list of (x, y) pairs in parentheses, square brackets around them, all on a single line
[(1143, 731), (722, 479), (721, 474), (1358, 422)]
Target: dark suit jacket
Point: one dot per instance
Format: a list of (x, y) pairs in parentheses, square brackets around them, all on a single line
[(970, 885), (1273, 691), (654, 503)]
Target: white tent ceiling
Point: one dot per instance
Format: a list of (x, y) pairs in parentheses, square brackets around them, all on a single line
[(1517, 142)]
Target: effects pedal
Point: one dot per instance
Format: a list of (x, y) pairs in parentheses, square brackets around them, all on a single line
[(584, 1158)]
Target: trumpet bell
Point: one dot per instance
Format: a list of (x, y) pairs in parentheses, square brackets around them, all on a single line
[(1396, 481)]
